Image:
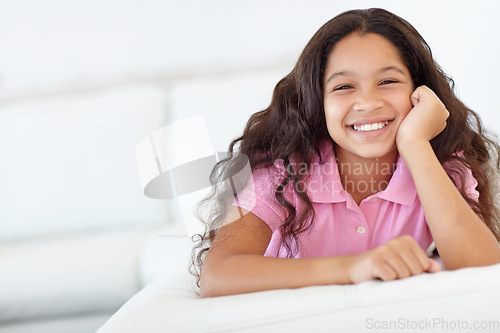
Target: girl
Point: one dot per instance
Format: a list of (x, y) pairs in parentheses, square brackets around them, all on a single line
[(363, 159)]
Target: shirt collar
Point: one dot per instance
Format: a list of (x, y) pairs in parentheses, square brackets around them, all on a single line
[(401, 188), (324, 185)]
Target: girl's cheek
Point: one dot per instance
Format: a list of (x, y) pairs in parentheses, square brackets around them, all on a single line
[(405, 110), (404, 105)]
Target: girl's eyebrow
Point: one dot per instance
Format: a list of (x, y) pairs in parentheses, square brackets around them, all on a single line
[(391, 68), (380, 71), (334, 75)]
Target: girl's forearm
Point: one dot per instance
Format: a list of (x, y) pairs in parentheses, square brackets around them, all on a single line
[(243, 273), (461, 237)]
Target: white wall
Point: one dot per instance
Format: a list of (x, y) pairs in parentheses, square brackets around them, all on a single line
[(55, 45)]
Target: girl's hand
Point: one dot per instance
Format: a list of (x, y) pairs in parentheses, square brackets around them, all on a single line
[(425, 121), (397, 259)]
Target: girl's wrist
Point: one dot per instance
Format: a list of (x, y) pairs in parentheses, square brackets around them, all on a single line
[(408, 147), (339, 269), (351, 267)]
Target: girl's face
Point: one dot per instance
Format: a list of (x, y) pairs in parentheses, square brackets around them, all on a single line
[(367, 92)]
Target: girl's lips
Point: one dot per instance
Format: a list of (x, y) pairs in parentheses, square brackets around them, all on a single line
[(370, 127), (371, 121), (362, 131)]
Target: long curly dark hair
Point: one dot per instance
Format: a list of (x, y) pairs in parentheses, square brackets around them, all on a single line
[(294, 125)]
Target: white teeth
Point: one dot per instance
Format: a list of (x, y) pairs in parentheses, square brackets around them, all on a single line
[(370, 127)]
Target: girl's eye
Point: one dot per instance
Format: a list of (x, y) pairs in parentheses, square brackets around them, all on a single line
[(388, 82), (342, 87)]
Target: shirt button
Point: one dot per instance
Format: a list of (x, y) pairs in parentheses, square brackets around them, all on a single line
[(374, 199), (360, 230)]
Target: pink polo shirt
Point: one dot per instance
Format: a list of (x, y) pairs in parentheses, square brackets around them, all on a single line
[(341, 226)]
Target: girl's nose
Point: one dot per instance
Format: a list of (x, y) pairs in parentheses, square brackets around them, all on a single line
[(368, 101)]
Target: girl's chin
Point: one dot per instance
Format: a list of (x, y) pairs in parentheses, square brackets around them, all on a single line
[(370, 152)]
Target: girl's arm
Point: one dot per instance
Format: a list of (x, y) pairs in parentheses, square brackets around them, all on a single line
[(236, 264), (461, 237)]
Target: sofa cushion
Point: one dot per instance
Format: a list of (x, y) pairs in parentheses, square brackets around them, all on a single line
[(166, 254), (86, 273), (68, 162), (64, 324), (427, 302)]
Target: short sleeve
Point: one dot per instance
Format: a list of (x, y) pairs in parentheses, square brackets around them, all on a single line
[(454, 170), (470, 185), (258, 197)]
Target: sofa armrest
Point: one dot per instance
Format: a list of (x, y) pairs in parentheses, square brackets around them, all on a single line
[(445, 300)]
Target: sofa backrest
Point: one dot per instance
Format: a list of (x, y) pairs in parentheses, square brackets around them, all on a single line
[(67, 163)]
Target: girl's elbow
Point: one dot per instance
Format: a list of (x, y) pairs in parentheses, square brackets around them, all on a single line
[(206, 288), (206, 292), (209, 286)]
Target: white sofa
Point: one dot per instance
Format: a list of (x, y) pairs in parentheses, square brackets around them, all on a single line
[(74, 223)]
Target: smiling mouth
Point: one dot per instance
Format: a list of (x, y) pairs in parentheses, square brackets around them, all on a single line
[(370, 127)]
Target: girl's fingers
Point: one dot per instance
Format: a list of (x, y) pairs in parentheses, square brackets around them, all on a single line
[(414, 263), (424, 261), (428, 265), (427, 118), (434, 267), (400, 266), (385, 272), (405, 258), (398, 259)]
